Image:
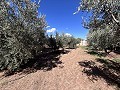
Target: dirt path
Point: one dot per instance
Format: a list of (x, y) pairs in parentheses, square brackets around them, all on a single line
[(67, 76)]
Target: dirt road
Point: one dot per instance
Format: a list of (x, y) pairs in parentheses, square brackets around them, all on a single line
[(67, 76)]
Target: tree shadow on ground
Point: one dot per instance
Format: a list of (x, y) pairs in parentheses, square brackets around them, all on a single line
[(108, 70), (46, 60), (97, 53)]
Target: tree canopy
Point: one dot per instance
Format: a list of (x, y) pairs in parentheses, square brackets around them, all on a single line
[(21, 32), (104, 22)]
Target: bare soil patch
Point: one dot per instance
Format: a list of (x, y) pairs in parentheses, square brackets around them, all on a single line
[(68, 75)]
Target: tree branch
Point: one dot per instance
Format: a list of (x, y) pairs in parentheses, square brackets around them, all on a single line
[(117, 21)]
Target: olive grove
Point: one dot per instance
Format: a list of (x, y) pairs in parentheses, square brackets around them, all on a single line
[(23, 34)]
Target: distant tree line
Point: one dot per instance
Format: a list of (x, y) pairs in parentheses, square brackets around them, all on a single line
[(63, 41)]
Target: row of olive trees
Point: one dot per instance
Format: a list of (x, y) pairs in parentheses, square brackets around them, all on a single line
[(22, 33), (101, 39), (63, 41), (103, 24)]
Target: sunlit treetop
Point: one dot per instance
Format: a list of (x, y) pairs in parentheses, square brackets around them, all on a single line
[(107, 10)]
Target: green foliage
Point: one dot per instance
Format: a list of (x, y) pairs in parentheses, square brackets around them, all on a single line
[(59, 43), (67, 41), (21, 33), (52, 41), (62, 41), (103, 24), (101, 39)]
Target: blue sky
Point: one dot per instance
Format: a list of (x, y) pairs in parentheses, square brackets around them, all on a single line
[(60, 18)]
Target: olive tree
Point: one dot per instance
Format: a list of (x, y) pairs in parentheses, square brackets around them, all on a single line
[(21, 32), (104, 22)]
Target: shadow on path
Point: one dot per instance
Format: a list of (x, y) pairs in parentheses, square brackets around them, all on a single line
[(47, 60), (97, 53), (109, 70)]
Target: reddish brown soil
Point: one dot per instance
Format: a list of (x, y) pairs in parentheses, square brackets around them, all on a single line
[(67, 76)]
